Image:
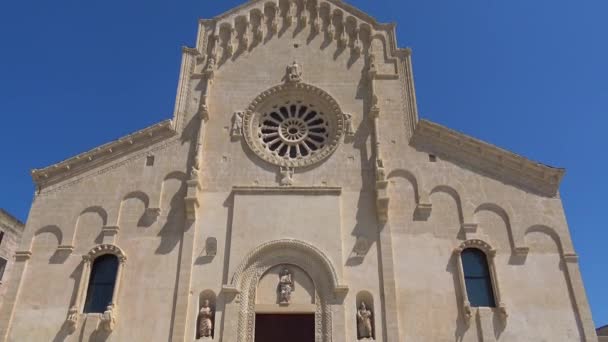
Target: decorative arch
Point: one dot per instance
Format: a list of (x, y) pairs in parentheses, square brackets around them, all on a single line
[(515, 240), (301, 254), (421, 196), (455, 196), (99, 211), (51, 229)]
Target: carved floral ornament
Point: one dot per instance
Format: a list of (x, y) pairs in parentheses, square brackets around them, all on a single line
[(293, 124), (100, 250)]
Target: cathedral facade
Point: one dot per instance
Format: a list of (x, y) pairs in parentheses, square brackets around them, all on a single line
[(295, 195)]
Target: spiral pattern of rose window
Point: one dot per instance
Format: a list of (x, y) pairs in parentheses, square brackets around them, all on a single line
[(294, 131)]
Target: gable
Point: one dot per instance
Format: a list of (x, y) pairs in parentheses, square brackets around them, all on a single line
[(487, 159)]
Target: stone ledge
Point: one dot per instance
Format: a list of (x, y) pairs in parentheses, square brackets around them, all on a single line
[(102, 154), (311, 190), (493, 161)]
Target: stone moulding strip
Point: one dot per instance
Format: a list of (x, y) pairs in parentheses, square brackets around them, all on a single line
[(494, 161), (103, 154), (309, 190)]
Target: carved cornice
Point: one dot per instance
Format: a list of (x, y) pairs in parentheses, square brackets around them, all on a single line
[(491, 160), (103, 154), (105, 249), (312, 190), (307, 16)]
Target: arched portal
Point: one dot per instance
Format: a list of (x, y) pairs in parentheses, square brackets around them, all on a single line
[(301, 258)]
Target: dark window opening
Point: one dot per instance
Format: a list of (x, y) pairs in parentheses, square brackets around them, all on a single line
[(477, 278), (432, 158), (101, 284), (1, 237), (149, 160), (3, 263)]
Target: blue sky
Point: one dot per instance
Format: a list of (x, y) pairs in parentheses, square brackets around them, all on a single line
[(528, 76)]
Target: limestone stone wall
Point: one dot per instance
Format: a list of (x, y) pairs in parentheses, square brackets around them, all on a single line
[(379, 220), (12, 230)]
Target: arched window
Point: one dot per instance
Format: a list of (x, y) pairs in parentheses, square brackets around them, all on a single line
[(101, 284), (479, 285), (477, 278)]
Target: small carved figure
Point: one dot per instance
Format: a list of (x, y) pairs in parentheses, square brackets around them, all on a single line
[(371, 64), (375, 108), (291, 12), (274, 24), (210, 67), (364, 322), (348, 123), (357, 44), (72, 319), (380, 172), (237, 124), (331, 31), (285, 286), (205, 322), (286, 176), (108, 318), (294, 72)]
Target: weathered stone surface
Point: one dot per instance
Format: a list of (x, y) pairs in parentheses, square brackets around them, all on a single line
[(199, 211)]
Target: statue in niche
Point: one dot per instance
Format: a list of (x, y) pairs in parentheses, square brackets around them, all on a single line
[(205, 322), (294, 72), (348, 123), (285, 286), (237, 124), (286, 176), (364, 322)]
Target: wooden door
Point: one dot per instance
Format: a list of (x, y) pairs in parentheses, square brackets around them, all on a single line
[(285, 328)]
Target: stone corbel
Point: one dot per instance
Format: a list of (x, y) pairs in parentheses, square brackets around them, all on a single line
[(230, 42), (231, 293), (245, 37), (469, 227), (342, 40), (291, 12), (66, 248), (191, 199), (72, 320), (315, 21), (382, 199), (357, 47), (372, 69), (331, 31), (423, 211), (203, 109), (274, 23), (108, 318), (152, 214), (304, 17), (23, 256), (257, 31), (374, 110)]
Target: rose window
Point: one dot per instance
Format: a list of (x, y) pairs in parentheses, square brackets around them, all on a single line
[(293, 131), (293, 125)]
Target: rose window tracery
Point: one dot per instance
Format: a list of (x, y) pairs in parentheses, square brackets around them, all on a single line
[(294, 131), (293, 125)]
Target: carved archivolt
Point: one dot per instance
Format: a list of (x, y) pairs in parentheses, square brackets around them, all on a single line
[(285, 252), (293, 125), (105, 249)]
